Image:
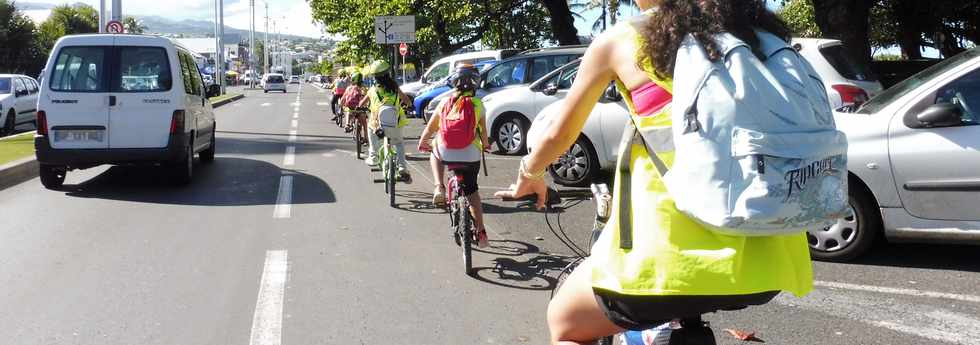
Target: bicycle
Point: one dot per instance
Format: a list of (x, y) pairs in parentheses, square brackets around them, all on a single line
[(460, 216), (387, 158), (680, 331), (357, 116)]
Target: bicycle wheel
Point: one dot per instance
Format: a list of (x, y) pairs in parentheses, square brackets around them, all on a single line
[(391, 177), (357, 138), (466, 232)]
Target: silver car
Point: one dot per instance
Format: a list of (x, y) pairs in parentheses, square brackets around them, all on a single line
[(914, 159)]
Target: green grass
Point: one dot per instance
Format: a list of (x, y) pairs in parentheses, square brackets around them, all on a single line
[(223, 97), (17, 147)]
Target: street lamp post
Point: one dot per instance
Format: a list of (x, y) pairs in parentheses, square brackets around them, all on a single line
[(117, 10), (219, 54), (102, 20)]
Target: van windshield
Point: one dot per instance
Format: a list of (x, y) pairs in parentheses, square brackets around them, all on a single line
[(4, 86)]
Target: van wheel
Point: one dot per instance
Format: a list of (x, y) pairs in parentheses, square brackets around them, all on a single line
[(207, 156), (53, 176), (184, 169), (10, 124)]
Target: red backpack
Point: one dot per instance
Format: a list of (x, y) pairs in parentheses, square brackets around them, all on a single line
[(457, 128), (353, 97)]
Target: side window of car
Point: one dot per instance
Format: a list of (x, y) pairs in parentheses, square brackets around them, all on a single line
[(567, 78), (965, 93), (546, 64), (185, 71), (508, 73), (31, 86), (438, 72), (19, 86)]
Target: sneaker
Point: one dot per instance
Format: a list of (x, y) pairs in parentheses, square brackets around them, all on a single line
[(371, 161), (405, 177), (439, 197), (482, 240)]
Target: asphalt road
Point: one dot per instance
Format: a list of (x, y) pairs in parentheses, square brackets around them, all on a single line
[(272, 245)]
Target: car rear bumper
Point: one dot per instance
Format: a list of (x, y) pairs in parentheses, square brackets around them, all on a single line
[(83, 158)]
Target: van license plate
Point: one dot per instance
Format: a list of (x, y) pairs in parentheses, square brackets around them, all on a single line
[(79, 136)]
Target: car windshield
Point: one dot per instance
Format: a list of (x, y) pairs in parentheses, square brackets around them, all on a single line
[(901, 89), (4, 86)]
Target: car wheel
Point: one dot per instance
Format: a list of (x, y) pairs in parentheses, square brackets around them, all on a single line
[(512, 135), (577, 166), (184, 169), (10, 124), (853, 235), (207, 156), (53, 176), (266, 91)]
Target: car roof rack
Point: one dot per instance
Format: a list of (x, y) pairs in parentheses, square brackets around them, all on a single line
[(535, 50)]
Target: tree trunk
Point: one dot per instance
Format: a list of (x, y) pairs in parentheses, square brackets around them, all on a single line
[(613, 12), (909, 28), (562, 22), (847, 20)]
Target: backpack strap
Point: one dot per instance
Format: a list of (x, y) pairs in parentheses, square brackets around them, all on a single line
[(631, 136)]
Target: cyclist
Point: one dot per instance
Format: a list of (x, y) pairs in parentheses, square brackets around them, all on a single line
[(464, 112), (339, 86), (676, 266), (383, 94), (353, 99)]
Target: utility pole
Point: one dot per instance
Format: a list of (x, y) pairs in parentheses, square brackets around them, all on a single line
[(102, 20), (117, 10), (219, 54), (265, 50), (251, 46)]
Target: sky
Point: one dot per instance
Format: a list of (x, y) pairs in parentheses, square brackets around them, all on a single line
[(294, 15)]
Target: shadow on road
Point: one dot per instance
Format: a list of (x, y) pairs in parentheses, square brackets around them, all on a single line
[(537, 273), (927, 256), (509, 248), (226, 182)]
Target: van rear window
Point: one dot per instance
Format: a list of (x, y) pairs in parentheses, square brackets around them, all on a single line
[(143, 69), (848, 68), (275, 79), (79, 69)]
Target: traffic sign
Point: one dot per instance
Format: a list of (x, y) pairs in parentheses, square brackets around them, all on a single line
[(115, 27), (394, 29), (403, 49)]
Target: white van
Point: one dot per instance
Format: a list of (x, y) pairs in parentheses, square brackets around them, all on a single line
[(442, 67), (122, 99)]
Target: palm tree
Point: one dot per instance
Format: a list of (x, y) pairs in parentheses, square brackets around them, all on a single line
[(610, 11), (133, 25)]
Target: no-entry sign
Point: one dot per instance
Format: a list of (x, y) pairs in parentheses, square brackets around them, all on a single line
[(114, 27), (403, 49)]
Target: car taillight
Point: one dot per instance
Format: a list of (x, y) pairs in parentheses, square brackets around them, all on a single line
[(177, 122), (851, 95), (42, 122)]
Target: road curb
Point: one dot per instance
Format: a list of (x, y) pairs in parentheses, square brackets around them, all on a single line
[(226, 101), (18, 171)]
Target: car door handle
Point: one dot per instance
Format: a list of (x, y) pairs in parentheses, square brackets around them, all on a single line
[(112, 101)]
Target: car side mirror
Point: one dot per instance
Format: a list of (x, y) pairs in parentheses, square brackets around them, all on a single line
[(941, 115), (214, 90), (550, 90), (612, 94)]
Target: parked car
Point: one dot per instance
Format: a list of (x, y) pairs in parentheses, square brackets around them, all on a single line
[(444, 66), (596, 149), (208, 80), (294, 80), (438, 88), (18, 101), (509, 130), (89, 116), (849, 83), (274, 82)]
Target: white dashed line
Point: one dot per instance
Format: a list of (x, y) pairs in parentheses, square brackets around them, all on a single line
[(290, 157), (898, 291), (295, 123), (285, 199), (267, 322), (265, 104), (323, 104), (292, 136), (295, 115)]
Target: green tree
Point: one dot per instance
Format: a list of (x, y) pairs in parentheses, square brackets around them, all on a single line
[(67, 20), (18, 52), (133, 25)]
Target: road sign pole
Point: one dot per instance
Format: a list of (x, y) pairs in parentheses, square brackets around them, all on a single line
[(102, 18), (117, 10)]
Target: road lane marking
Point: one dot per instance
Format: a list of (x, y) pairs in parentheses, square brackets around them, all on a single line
[(292, 136), (285, 199), (323, 104), (295, 123), (290, 157), (265, 104), (267, 322), (295, 115), (898, 291)]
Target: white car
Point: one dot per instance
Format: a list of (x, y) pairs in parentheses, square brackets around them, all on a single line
[(848, 82), (274, 82), (18, 101), (122, 99), (294, 80), (444, 66)]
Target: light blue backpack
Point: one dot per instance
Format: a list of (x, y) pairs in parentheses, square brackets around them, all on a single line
[(757, 152)]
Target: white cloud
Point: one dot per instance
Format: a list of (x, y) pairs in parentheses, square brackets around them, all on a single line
[(298, 17)]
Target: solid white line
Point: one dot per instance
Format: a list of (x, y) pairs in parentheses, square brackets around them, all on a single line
[(295, 123), (290, 157), (296, 110), (265, 104), (898, 291), (292, 136), (322, 104), (295, 115), (285, 199), (267, 322)]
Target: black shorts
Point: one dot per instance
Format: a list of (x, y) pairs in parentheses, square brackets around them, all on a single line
[(469, 172), (644, 312)]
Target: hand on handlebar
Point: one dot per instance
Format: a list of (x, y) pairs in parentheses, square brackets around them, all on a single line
[(424, 146)]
